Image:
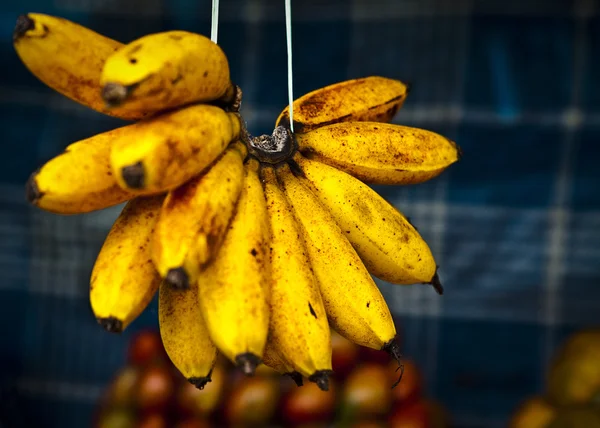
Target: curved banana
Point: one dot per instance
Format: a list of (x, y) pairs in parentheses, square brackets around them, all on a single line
[(79, 180), (166, 70), (123, 279), (390, 247), (371, 98), (354, 304), (194, 219), (380, 153), (299, 326), (67, 57), (184, 334), (165, 151), (273, 359), (234, 292)]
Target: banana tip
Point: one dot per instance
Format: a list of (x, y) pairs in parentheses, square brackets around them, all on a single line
[(459, 151), (437, 284), (111, 324), (178, 278), (32, 191), (296, 377), (321, 378), (393, 348), (133, 175), (247, 363), (23, 25), (114, 94), (200, 382)]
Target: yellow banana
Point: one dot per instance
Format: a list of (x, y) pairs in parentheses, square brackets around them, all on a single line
[(166, 70), (123, 279), (184, 334), (194, 219), (80, 179), (354, 304), (165, 151), (380, 153), (234, 287), (371, 98), (67, 57), (299, 326), (273, 359), (390, 247)]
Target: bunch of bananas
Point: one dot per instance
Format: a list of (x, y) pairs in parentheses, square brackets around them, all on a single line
[(256, 246)]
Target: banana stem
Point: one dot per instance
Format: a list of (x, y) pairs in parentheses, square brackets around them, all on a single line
[(273, 149)]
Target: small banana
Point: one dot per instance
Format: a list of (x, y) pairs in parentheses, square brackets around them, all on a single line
[(67, 57), (299, 326), (390, 247), (354, 304), (163, 152), (380, 153), (371, 98), (273, 359), (194, 219), (184, 334), (234, 290), (165, 70), (80, 179), (123, 279)]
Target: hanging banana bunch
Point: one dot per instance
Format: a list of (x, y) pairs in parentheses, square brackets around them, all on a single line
[(256, 246)]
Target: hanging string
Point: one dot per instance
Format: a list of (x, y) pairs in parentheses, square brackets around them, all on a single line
[(214, 25), (288, 34)]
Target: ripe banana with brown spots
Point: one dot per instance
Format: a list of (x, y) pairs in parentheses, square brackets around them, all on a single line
[(380, 153), (272, 358), (389, 246), (371, 98), (234, 287), (166, 70), (194, 219), (80, 179), (184, 334), (68, 58), (124, 279), (299, 326), (354, 304), (164, 151)]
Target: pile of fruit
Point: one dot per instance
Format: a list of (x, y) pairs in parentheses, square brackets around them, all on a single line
[(572, 396), (256, 246), (150, 393)]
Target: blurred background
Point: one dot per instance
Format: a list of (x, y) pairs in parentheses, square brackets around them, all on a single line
[(515, 226)]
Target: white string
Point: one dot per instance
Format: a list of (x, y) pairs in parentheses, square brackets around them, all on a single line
[(214, 27), (288, 33)]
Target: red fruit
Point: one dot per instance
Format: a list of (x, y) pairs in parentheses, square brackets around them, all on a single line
[(344, 355), (308, 404), (194, 401), (154, 420), (155, 389), (411, 384), (253, 401), (121, 391), (117, 418), (413, 415), (367, 391), (145, 348), (193, 423)]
